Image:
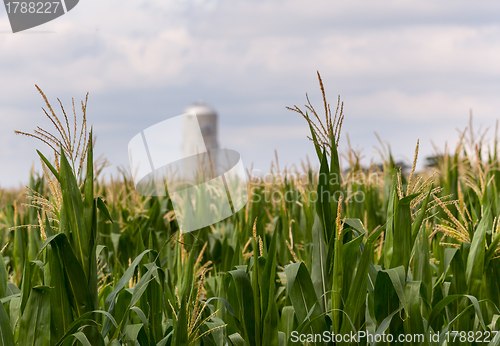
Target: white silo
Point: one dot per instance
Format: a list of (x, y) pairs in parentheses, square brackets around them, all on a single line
[(207, 119)]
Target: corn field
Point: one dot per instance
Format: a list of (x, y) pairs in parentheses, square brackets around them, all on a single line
[(376, 251)]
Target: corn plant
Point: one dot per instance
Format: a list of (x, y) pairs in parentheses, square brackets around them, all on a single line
[(377, 250)]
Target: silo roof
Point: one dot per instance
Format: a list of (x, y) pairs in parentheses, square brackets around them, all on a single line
[(201, 109)]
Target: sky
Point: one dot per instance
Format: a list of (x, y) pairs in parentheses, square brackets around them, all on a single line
[(406, 70)]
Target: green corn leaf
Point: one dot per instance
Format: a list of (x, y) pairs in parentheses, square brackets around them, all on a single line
[(101, 205), (337, 281), (82, 338), (415, 227), (268, 304), (27, 284), (6, 336), (391, 207), (495, 341), (301, 293), (350, 252), (121, 308), (323, 208), (72, 215), (459, 278), (216, 335), (143, 283), (49, 165), (402, 233), (238, 286), (3, 278), (356, 224), (315, 141), (475, 260), (384, 325), (335, 179), (414, 323), (449, 299), (145, 335), (236, 340), (79, 295), (61, 313), (449, 255), (421, 266), (81, 322), (153, 301), (356, 296), (385, 297), (287, 320), (110, 300), (180, 335), (132, 330), (256, 292), (398, 279), (20, 253), (490, 253), (88, 202), (34, 328), (267, 282), (319, 270)]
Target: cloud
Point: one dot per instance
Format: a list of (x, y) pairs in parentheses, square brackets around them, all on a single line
[(395, 63), (425, 107)]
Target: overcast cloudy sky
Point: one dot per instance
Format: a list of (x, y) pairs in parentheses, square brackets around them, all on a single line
[(407, 70)]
